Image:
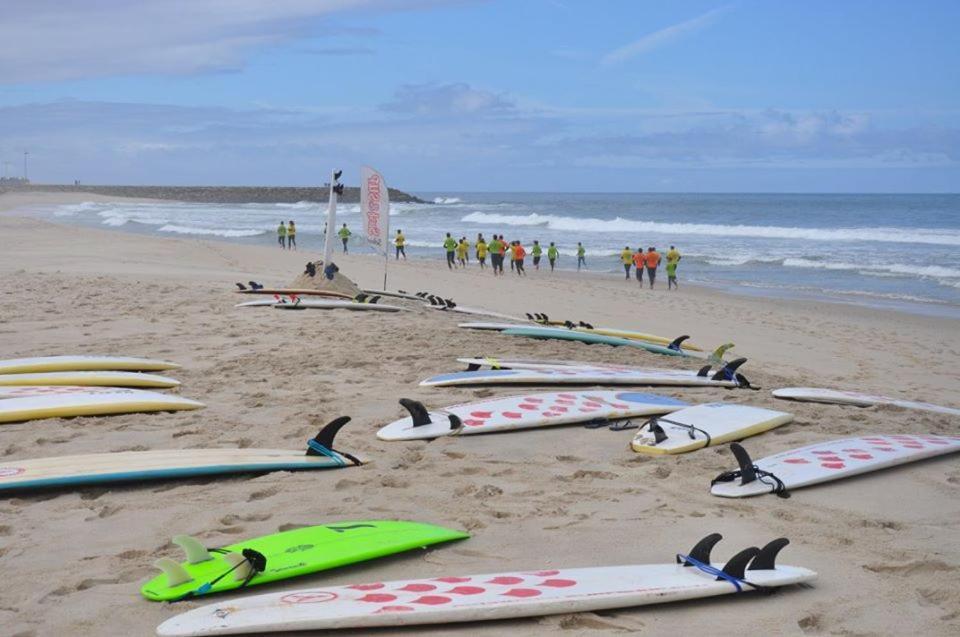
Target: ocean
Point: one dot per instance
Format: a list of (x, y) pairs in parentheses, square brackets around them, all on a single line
[(888, 251)]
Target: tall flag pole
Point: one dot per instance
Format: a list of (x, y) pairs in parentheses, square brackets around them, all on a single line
[(375, 210), (336, 188)]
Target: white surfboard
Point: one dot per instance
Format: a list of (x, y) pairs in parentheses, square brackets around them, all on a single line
[(525, 411), (573, 375), (838, 397), (487, 326), (284, 303), (101, 379), (18, 404), (827, 461), (476, 311), (127, 466), (397, 295), (491, 596), (704, 426), (42, 364), (492, 362)]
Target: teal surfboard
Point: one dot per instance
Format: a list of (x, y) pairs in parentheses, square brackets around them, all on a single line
[(564, 334)]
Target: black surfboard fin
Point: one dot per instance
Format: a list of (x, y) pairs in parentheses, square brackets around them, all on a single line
[(570, 325), (729, 371), (747, 473), (254, 285), (325, 439), (241, 286), (374, 300), (421, 294), (659, 435), (361, 298), (767, 557), (417, 411), (701, 551), (737, 565), (472, 367), (455, 422), (449, 303), (704, 371), (677, 342), (586, 325)]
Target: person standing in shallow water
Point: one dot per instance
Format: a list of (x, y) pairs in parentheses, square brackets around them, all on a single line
[(292, 235), (282, 235)]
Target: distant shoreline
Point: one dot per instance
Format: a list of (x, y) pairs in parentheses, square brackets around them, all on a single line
[(213, 194)]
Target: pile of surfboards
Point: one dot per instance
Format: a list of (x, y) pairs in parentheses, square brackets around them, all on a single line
[(68, 386)]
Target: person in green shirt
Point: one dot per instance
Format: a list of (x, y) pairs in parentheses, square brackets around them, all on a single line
[(626, 257), (496, 260), (292, 235), (552, 255), (282, 235), (344, 234), (400, 242), (536, 251), (481, 251), (450, 245), (581, 256), (672, 274)]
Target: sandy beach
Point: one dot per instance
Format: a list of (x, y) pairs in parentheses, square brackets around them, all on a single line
[(886, 546)]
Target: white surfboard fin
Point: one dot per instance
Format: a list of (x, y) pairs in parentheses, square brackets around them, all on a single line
[(241, 567), (176, 574), (196, 552), (418, 412), (767, 557)]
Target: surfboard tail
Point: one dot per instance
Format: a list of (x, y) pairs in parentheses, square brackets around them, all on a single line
[(322, 443), (747, 472), (421, 416)]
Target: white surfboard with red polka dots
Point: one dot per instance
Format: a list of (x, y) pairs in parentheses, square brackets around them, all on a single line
[(841, 397), (836, 459), (441, 600), (527, 411)]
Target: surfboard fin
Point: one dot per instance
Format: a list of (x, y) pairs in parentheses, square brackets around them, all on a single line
[(254, 285), (418, 412), (361, 298), (586, 325), (196, 552), (736, 566), (455, 423), (325, 439), (472, 367), (239, 565), (701, 551), (704, 371), (176, 574), (676, 343), (241, 286), (717, 355), (659, 435), (767, 557), (747, 472)]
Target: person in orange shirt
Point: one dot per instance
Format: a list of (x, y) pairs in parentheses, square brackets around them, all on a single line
[(653, 260), (518, 255), (639, 258)]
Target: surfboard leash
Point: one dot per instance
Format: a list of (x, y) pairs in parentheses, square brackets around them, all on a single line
[(256, 560), (738, 582), (748, 472)]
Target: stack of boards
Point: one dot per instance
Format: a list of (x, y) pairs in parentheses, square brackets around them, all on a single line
[(68, 386)]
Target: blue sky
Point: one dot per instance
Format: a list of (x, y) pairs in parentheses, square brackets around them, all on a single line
[(536, 95)]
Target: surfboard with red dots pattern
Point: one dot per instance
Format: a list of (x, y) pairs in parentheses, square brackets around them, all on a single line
[(837, 459), (442, 600), (527, 411)]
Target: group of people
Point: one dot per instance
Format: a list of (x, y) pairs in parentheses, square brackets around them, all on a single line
[(498, 249), (287, 235), (650, 261)]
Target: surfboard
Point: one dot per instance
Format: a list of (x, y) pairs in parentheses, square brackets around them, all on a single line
[(494, 362), (98, 378), (827, 461), (296, 292), (493, 327), (135, 466), (838, 397), (319, 304), (42, 364), (704, 426), (476, 311), (18, 404), (286, 554), (728, 376), (492, 596), (589, 338), (400, 294), (526, 411), (543, 319)]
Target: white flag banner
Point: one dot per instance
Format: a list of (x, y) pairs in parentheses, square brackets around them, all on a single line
[(375, 208)]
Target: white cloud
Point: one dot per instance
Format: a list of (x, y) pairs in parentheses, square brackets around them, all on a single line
[(662, 37)]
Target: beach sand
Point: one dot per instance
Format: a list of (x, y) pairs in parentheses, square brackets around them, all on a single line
[(886, 546)]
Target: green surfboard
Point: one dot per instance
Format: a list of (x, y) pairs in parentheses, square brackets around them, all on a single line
[(286, 554)]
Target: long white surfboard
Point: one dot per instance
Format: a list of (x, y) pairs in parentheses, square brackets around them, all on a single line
[(320, 304), (525, 411), (827, 461), (40, 364), (476, 311), (491, 596), (18, 404), (704, 426), (127, 466), (93, 379), (493, 362), (839, 397)]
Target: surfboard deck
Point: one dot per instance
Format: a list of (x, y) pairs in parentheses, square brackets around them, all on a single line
[(704, 426), (564, 334), (40, 364), (296, 292), (475, 311), (397, 295), (18, 404), (93, 379), (525, 411), (569, 375), (840, 397), (295, 553), (126, 466), (832, 460), (489, 596), (639, 336), (318, 304)]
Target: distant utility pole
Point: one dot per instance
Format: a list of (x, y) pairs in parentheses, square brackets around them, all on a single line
[(25, 154)]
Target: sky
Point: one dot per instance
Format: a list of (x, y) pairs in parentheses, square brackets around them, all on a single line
[(497, 95)]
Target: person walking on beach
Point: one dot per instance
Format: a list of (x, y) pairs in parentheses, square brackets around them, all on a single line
[(503, 253), (639, 259), (291, 235), (282, 235), (344, 234), (462, 248), (581, 256), (552, 255), (673, 260), (653, 260), (400, 242), (626, 258), (673, 255), (519, 253), (450, 245), (494, 248), (537, 252), (481, 251)]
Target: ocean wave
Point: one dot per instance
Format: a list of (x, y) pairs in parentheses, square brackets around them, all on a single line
[(300, 205), (932, 236), (70, 210), (210, 231), (447, 200), (932, 271)]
